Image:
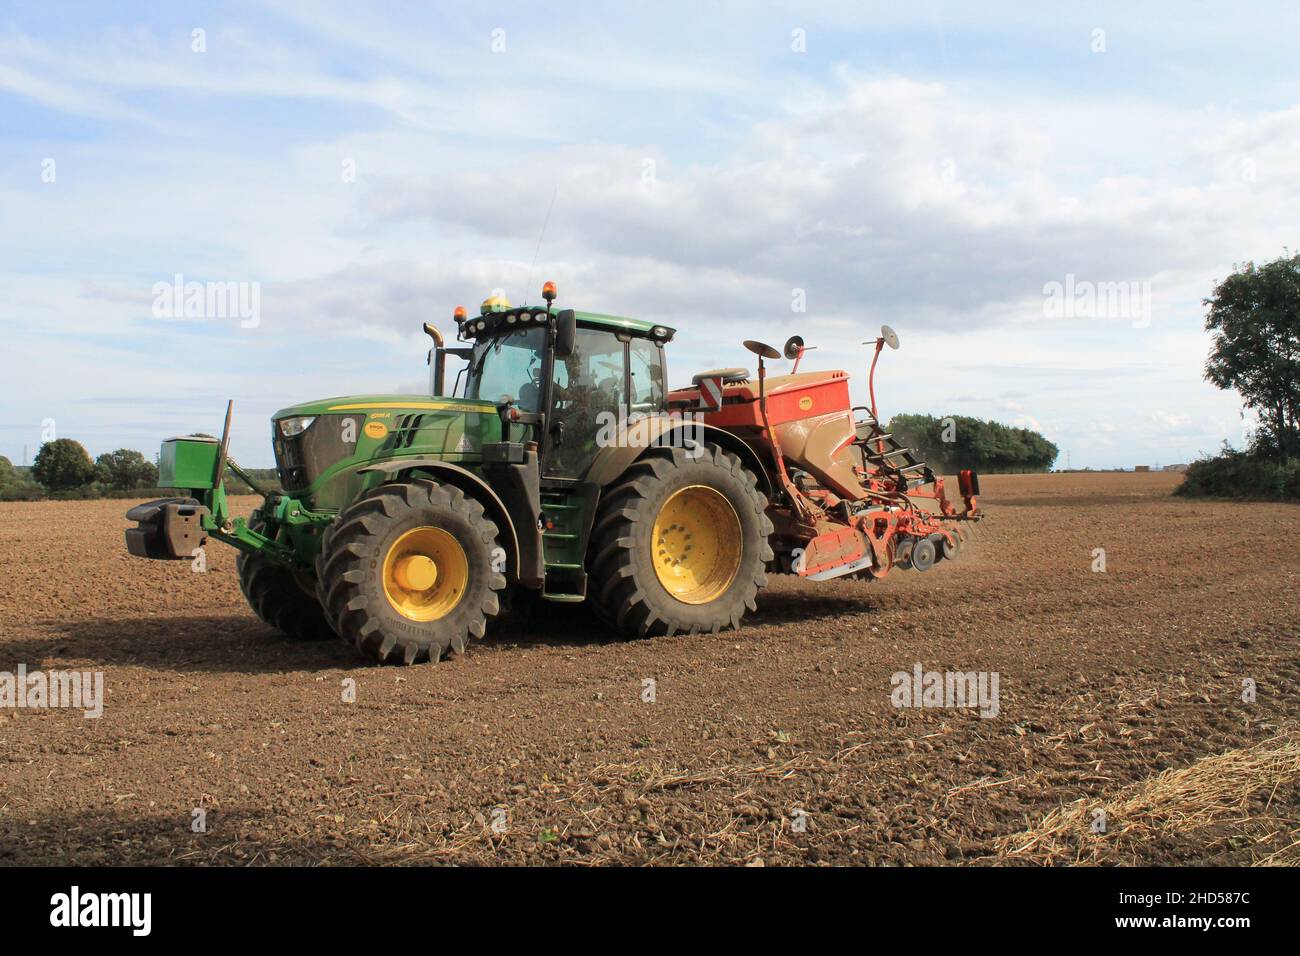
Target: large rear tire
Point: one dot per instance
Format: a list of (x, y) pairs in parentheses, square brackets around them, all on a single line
[(278, 596), (408, 572), (680, 544)]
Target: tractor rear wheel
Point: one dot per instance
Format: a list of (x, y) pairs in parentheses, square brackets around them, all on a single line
[(680, 544), (281, 598), (406, 572)]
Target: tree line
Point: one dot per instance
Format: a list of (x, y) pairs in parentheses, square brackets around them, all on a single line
[(64, 469), (958, 441)]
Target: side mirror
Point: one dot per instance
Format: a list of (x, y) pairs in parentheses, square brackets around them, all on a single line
[(566, 333)]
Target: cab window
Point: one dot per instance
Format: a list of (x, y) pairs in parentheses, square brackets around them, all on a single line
[(588, 384), (646, 374), (508, 368)]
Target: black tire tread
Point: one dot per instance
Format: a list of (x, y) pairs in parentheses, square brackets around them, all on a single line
[(347, 545), (276, 597), (617, 596)]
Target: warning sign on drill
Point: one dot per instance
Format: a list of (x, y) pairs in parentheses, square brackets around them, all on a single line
[(711, 393)]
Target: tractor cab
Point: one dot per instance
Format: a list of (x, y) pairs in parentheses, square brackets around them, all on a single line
[(559, 376)]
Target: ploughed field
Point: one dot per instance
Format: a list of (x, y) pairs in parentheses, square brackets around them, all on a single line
[(1118, 691)]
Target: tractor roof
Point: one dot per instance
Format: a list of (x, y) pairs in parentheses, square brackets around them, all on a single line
[(498, 306), (497, 313), (621, 322)]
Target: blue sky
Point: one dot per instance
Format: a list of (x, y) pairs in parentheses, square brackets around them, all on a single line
[(935, 166)]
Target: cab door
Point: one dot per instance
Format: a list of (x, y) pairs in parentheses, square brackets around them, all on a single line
[(588, 391)]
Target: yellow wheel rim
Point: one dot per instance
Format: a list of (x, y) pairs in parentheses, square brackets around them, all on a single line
[(425, 574), (696, 544)]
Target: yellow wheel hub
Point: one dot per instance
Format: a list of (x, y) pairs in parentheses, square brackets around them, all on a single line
[(696, 544), (425, 574)]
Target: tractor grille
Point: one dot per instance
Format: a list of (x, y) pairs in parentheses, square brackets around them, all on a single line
[(300, 460), (404, 431)]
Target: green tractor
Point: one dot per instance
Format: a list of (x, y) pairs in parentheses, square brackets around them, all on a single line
[(551, 471)]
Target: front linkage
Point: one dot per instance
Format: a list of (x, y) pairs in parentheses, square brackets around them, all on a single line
[(174, 528)]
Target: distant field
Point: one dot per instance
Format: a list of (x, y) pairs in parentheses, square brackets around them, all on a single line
[(1119, 690)]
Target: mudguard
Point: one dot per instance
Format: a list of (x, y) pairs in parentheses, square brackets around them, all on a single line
[(657, 430)]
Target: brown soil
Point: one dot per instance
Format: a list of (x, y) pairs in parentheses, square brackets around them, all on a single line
[(1106, 680)]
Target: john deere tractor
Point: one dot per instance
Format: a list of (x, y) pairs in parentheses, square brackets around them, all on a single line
[(402, 522), (558, 467)]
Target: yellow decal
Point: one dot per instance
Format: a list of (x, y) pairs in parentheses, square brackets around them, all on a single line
[(805, 403), (444, 406), (376, 429)]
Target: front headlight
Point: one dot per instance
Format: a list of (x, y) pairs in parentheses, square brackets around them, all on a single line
[(295, 426)]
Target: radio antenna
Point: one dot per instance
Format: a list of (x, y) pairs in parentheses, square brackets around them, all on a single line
[(529, 284)]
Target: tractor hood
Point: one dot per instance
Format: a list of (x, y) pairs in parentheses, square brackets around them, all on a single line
[(321, 446), (373, 403)]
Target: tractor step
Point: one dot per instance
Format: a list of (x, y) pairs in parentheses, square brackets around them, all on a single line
[(566, 583), (567, 513)]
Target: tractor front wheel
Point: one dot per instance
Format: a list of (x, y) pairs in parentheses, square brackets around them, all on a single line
[(680, 544), (410, 571), (281, 598)]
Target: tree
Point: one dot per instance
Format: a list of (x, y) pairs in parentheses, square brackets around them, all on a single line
[(125, 469), (1255, 317), (958, 441), (63, 463), (6, 469)]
